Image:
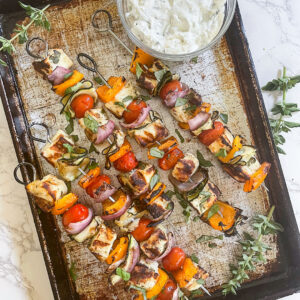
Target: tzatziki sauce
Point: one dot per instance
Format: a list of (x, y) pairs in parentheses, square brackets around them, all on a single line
[(175, 26)]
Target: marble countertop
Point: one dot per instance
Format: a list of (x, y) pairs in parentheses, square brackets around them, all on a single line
[(272, 28)]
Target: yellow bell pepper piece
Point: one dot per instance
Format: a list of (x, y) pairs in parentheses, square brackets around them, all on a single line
[(236, 146)]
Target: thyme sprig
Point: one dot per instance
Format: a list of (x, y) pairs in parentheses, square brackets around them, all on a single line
[(253, 250), (37, 17), (284, 109)]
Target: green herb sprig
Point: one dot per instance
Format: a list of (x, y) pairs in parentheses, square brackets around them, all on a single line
[(284, 109), (253, 250), (37, 17)]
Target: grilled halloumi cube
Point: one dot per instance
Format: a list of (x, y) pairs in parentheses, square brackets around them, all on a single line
[(70, 171), (156, 244), (97, 114), (207, 197), (138, 180), (89, 231), (194, 284), (160, 207), (102, 243), (181, 113), (145, 274), (223, 142), (46, 191), (55, 58), (149, 132), (54, 150), (185, 167), (127, 91), (130, 219)]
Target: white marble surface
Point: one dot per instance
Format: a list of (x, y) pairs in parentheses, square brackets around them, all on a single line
[(272, 28)]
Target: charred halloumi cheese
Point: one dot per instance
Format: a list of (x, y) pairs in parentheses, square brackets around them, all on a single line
[(156, 244), (207, 197), (89, 231), (102, 243), (130, 219), (97, 114), (56, 58), (185, 167), (160, 207), (194, 283), (137, 180), (70, 172), (125, 96), (223, 142), (47, 191), (55, 150), (149, 132), (181, 113), (145, 274)]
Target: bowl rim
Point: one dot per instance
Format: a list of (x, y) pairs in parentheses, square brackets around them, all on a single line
[(175, 57)]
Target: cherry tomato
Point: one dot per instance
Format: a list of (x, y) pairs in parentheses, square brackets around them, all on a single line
[(81, 104), (168, 290), (174, 260), (170, 159), (75, 214), (133, 111), (126, 163), (96, 183), (208, 136), (169, 87), (142, 232)]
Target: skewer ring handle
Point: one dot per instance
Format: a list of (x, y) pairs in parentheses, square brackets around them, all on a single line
[(28, 43), (97, 12), (27, 164), (33, 124)]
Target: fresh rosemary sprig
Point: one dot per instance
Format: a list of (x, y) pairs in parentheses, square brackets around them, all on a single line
[(253, 251), (37, 17), (279, 125)]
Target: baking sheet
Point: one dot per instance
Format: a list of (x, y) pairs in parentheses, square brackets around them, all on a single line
[(213, 77)]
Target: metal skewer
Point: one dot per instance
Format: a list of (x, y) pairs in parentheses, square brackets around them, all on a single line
[(29, 52), (109, 28)]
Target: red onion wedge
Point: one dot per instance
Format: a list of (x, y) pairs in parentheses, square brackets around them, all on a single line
[(171, 98), (103, 192), (104, 132), (133, 256), (120, 212), (199, 120), (74, 228), (140, 119), (176, 294), (169, 247), (58, 75), (114, 265)]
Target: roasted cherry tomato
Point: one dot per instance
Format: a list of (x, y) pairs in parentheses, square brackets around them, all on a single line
[(143, 232), (170, 159), (96, 183), (208, 136), (133, 111), (169, 88), (174, 260), (75, 214), (168, 291), (126, 163), (81, 104)]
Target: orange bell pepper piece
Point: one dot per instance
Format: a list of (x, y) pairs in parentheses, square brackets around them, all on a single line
[(64, 203), (184, 275), (257, 178), (119, 252), (60, 89), (224, 219), (167, 145), (236, 146), (107, 94), (155, 193), (141, 57), (125, 148), (205, 107), (161, 281), (109, 207), (87, 179)]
